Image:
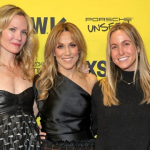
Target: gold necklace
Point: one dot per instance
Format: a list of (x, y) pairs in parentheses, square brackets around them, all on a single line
[(12, 71), (128, 82)]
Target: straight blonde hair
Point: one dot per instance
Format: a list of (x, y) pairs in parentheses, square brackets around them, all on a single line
[(112, 71)]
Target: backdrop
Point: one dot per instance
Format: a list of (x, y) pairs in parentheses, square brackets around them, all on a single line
[(93, 17)]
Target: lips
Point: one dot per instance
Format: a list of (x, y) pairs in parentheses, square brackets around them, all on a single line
[(124, 58), (67, 59), (16, 44)]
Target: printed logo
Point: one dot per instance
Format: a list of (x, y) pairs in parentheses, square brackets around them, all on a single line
[(104, 24), (40, 24)]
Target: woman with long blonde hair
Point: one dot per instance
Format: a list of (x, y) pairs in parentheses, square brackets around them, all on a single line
[(18, 46), (122, 97), (64, 92)]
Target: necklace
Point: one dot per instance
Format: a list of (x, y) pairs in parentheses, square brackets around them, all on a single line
[(12, 71), (128, 82)]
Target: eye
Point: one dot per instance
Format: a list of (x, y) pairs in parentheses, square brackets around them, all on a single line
[(12, 29), (113, 47), (24, 32), (72, 45), (60, 46), (126, 44)]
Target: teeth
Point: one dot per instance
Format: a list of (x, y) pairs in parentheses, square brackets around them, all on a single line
[(67, 59), (124, 58)]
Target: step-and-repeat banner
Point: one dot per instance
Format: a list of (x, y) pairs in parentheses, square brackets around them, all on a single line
[(93, 17)]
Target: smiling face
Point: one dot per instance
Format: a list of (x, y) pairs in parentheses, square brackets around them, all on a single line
[(66, 52), (14, 36), (123, 52)]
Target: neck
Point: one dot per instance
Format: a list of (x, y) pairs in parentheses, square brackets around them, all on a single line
[(128, 77), (69, 73), (8, 59)]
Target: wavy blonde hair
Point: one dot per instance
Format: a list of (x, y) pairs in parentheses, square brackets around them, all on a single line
[(112, 71), (25, 58), (48, 72)]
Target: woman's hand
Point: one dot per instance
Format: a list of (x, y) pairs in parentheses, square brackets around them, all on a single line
[(42, 134), (84, 68)]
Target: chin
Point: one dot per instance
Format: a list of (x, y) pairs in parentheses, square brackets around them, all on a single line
[(69, 68)]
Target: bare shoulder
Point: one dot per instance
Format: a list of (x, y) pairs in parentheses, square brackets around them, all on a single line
[(91, 79)]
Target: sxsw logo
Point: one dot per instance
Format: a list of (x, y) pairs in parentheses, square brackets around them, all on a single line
[(100, 65), (40, 24)]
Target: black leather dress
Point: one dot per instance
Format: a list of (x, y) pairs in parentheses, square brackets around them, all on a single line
[(18, 128), (65, 116)]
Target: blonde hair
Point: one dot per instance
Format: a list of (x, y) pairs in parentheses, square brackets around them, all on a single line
[(27, 55), (49, 70), (112, 71)]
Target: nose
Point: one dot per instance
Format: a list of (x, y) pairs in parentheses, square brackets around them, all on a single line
[(18, 36), (67, 51), (121, 50)]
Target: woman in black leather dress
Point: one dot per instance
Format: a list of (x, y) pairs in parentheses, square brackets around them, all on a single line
[(18, 45), (65, 92)]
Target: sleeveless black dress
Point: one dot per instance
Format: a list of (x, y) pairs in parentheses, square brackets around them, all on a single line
[(18, 128), (65, 117)]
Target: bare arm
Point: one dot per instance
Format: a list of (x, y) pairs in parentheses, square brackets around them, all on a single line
[(91, 80), (35, 109)]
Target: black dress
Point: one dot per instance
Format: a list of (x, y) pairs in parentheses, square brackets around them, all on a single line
[(65, 117), (126, 126), (18, 128)]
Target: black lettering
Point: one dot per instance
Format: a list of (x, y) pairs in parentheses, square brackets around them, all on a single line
[(101, 27), (95, 19), (52, 21), (101, 19), (121, 19), (36, 70), (114, 19), (38, 25), (100, 67), (90, 30), (91, 66), (97, 28), (38, 64), (110, 25), (88, 19), (128, 19), (104, 28), (108, 19)]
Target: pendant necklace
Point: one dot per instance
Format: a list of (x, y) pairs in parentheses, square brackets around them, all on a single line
[(12, 71), (128, 82)]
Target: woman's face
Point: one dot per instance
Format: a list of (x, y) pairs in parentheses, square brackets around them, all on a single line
[(66, 52), (123, 53), (14, 36)]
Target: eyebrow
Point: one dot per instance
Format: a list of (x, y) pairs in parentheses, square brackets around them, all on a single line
[(126, 41), (122, 42), (12, 26), (69, 43)]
